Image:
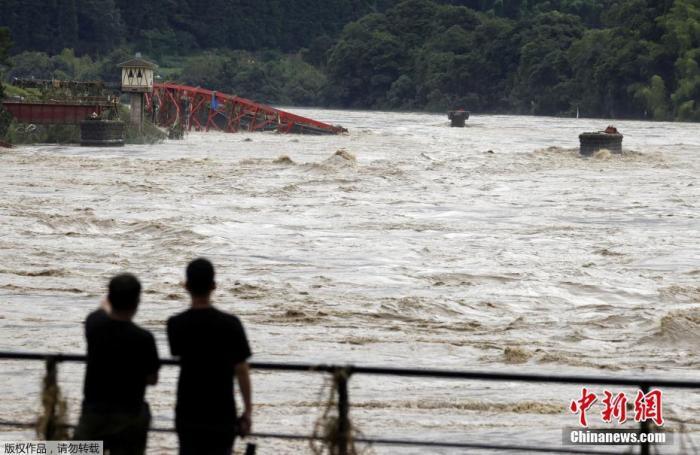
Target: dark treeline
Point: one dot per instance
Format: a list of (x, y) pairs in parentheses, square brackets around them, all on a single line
[(160, 27), (606, 58), (4, 49), (622, 58)]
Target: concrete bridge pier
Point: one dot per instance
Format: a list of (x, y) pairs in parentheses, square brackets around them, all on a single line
[(136, 106), (137, 79), (458, 118), (610, 139)]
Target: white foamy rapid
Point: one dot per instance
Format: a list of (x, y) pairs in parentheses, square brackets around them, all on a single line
[(493, 247)]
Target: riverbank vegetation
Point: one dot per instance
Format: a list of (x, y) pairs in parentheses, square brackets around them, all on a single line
[(603, 58)]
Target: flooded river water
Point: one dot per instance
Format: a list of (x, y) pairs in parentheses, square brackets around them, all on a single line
[(493, 247)]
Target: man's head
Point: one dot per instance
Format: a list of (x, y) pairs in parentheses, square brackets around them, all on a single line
[(124, 293), (200, 278)]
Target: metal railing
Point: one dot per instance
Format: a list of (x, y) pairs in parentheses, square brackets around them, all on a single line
[(343, 373)]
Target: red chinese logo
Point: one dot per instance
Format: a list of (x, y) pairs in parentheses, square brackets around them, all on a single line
[(647, 406), (614, 406), (582, 405)]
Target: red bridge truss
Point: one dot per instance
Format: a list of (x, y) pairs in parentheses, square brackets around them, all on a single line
[(203, 110), (57, 112)]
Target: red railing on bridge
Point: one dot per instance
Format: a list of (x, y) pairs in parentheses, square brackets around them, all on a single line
[(204, 110)]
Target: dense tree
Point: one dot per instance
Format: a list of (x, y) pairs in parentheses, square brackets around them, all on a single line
[(366, 62), (607, 66), (654, 97), (542, 83), (35, 65), (628, 58), (268, 76), (5, 44), (682, 36), (176, 26)]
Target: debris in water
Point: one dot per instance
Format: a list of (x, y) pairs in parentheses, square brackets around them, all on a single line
[(283, 159), (679, 327), (516, 355), (341, 158), (602, 154), (607, 252), (345, 155)]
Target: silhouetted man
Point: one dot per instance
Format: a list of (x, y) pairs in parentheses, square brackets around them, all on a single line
[(121, 360), (212, 347)]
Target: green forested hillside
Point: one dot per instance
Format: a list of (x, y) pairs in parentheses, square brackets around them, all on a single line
[(629, 58), (609, 58), (174, 26)]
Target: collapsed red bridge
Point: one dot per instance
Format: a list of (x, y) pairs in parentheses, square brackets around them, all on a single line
[(56, 112), (203, 110)]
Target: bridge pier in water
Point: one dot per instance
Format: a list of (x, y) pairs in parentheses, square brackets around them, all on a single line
[(102, 133), (458, 118), (610, 139), (137, 80), (136, 110)]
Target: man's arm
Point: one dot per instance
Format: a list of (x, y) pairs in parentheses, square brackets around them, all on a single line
[(172, 341), (243, 376), (153, 361), (152, 379)]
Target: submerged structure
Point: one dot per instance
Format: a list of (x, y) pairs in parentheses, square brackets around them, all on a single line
[(101, 133), (458, 118), (609, 139)]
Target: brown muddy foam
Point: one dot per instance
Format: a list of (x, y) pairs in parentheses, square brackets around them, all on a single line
[(283, 159), (36, 273), (516, 355), (680, 327), (522, 407)]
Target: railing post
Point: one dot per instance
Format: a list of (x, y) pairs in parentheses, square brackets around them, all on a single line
[(644, 447), (342, 375), (49, 399)]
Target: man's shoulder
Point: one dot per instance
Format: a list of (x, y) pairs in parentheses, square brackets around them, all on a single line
[(228, 317), (95, 319), (179, 317), (211, 313), (96, 316), (143, 332)]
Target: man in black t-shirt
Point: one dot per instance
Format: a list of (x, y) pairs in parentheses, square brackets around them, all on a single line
[(213, 348), (121, 360)]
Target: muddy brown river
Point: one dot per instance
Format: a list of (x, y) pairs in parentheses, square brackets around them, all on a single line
[(493, 247)]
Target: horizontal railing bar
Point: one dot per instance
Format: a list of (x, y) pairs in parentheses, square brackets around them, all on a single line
[(530, 377), (413, 372), (377, 441), (460, 445)]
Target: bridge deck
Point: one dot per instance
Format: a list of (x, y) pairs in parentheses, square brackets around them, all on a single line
[(54, 112)]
